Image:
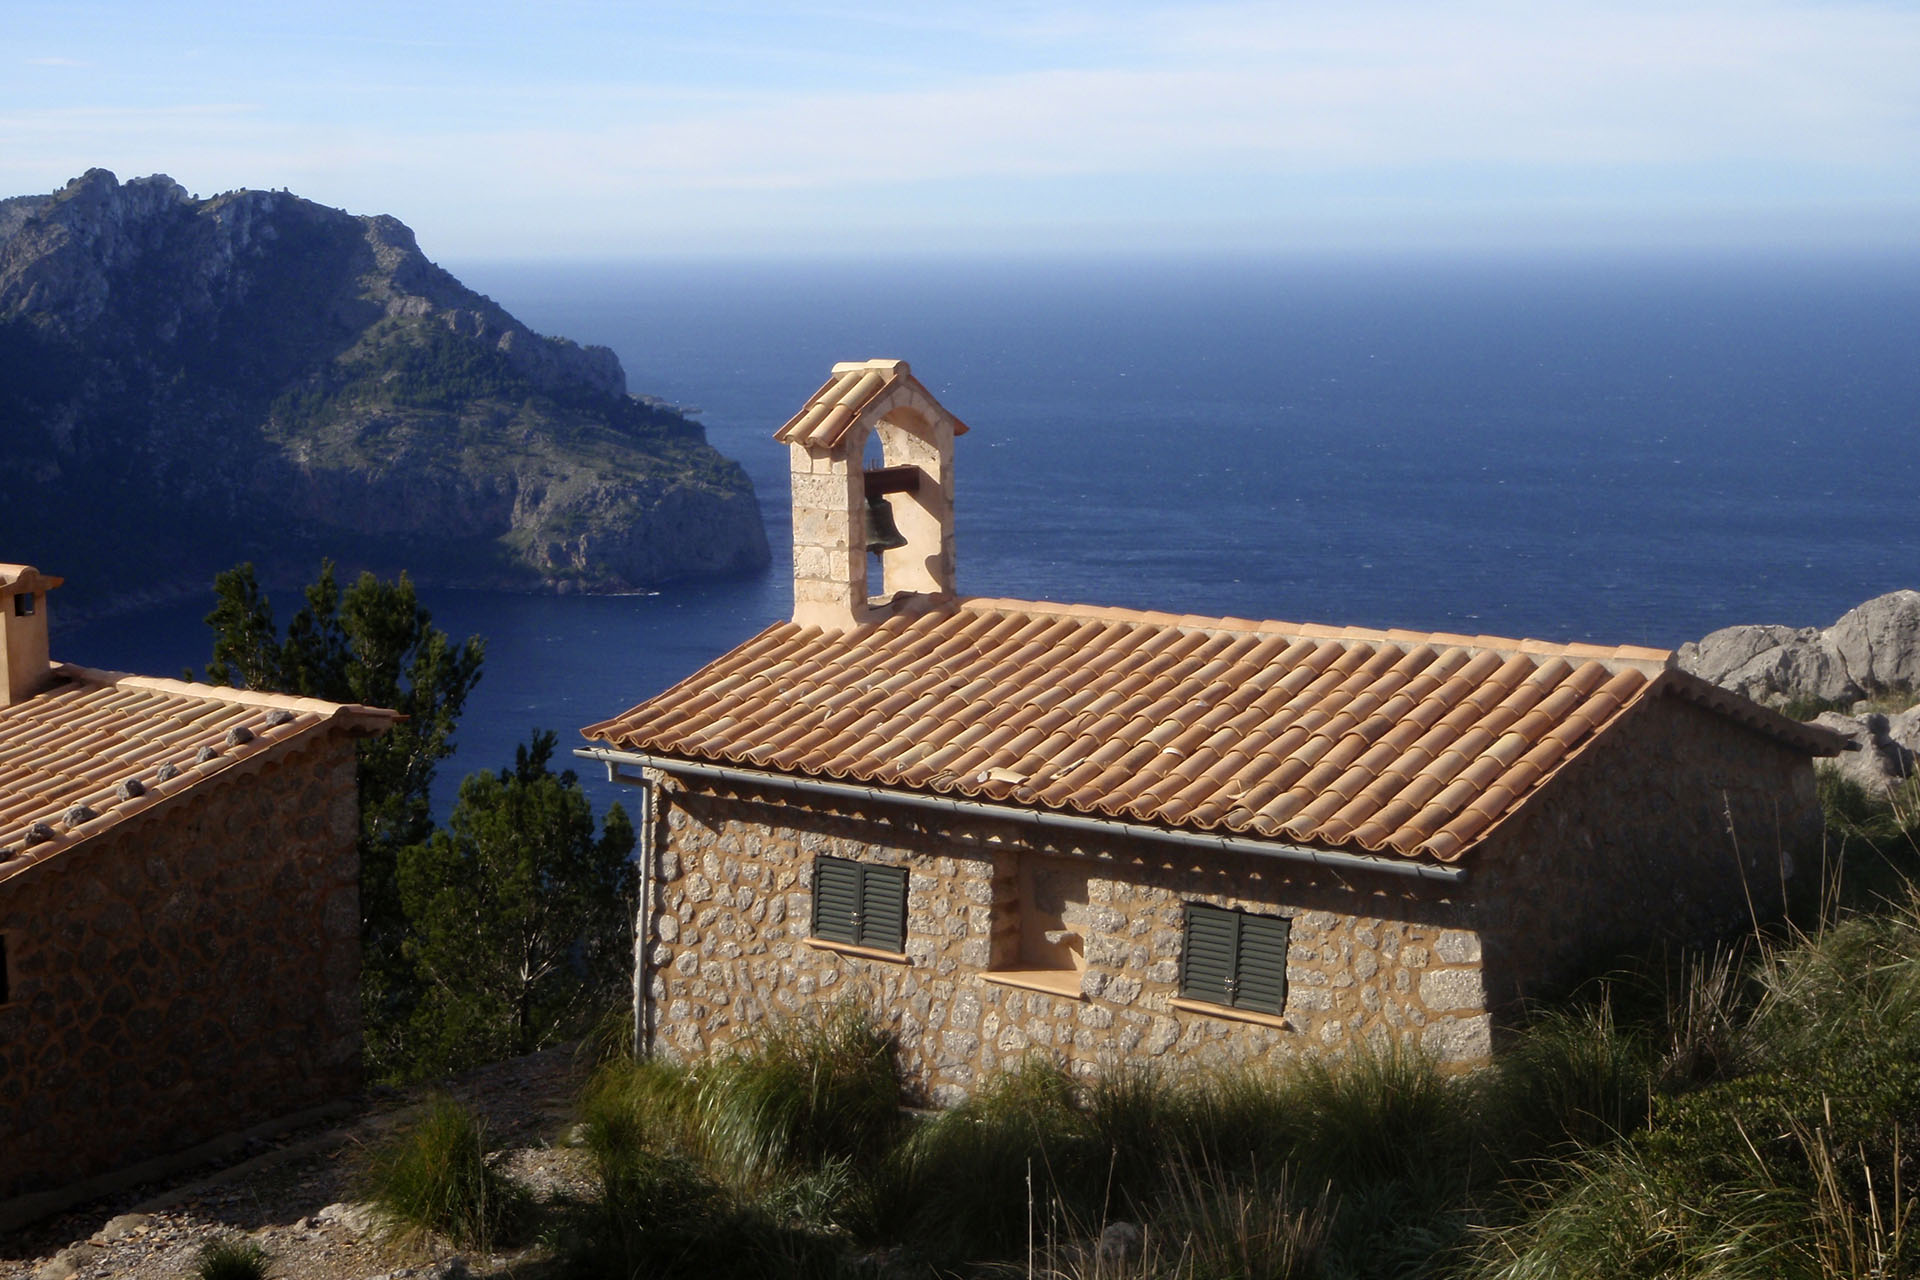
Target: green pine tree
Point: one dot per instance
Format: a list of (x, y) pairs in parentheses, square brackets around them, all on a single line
[(371, 643), (519, 921)]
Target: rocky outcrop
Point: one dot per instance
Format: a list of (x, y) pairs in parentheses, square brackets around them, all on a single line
[(1872, 649), (1871, 652), (1881, 749), (256, 376)]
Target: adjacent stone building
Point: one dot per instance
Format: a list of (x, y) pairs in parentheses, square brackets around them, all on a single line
[(1111, 835), (179, 910)]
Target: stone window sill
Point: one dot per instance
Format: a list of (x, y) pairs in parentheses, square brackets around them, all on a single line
[(1275, 1021), (859, 953), (1054, 982)]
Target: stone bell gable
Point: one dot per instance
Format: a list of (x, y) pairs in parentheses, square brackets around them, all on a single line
[(834, 489), (1112, 834)]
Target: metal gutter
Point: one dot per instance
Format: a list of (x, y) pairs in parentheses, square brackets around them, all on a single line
[(1325, 858), (643, 925)]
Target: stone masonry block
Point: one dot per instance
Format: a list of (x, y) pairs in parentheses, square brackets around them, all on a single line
[(811, 561), (1445, 990), (823, 528), (826, 492), (1459, 1040), (817, 591)]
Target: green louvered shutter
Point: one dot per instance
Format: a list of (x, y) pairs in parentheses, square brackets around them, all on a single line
[(1235, 959), (1209, 955), (860, 905), (836, 900), (1263, 964), (883, 908)]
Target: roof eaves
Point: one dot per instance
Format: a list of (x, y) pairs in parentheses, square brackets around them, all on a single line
[(1809, 738), (267, 747)]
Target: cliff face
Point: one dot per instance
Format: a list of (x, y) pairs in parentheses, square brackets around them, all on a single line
[(187, 383)]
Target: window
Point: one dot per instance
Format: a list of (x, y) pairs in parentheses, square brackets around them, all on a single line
[(1234, 958), (1040, 931), (859, 905)]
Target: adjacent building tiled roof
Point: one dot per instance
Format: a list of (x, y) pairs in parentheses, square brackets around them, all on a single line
[(96, 748), (1384, 741), (856, 391)]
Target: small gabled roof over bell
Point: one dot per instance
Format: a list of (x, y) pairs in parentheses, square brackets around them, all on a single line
[(862, 391), (16, 579)]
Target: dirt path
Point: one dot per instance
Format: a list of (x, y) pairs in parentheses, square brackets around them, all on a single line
[(285, 1195)]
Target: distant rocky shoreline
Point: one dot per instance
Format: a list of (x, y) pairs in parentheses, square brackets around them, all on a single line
[(1859, 677), (188, 383)]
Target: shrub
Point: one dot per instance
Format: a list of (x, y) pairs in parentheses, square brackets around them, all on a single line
[(805, 1093), (231, 1258), (661, 1214), (1241, 1120), (1573, 1078), (970, 1182), (1208, 1226), (434, 1176), (1794, 1157), (1392, 1140), (1376, 1114), (646, 1103)]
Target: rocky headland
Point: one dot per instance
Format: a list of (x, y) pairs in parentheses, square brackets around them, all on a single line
[(188, 383), (1859, 677)]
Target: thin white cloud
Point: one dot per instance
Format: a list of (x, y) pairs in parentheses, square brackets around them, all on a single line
[(1267, 108), (57, 62)]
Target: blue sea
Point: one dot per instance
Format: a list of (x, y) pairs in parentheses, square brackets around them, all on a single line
[(1618, 450)]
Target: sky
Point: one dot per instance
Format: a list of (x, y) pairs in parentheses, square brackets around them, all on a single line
[(593, 130)]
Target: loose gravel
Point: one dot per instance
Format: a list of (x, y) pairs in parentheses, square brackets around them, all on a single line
[(294, 1196)]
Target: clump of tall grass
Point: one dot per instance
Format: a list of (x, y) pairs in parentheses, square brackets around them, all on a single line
[(1874, 836), (1392, 1140), (1038, 1154), (970, 1181), (1794, 1157), (1204, 1226), (434, 1176), (231, 1258), (804, 1094), (738, 1165), (807, 1092), (1247, 1228), (1574, 1079)]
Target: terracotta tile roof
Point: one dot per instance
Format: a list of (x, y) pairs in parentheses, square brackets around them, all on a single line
[(96, 748), (859, 391), (1382, 741)]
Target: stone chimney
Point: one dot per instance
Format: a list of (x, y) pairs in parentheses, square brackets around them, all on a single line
[(832, 485), (24, 666)]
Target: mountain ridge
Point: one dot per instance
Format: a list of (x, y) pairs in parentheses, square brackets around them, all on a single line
[(258, 376)]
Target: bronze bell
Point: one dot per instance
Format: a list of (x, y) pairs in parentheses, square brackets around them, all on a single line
[(882, 533)]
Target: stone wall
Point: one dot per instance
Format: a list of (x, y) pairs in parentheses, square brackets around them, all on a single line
[(185, 975), (1677, 829), (1371, 957)]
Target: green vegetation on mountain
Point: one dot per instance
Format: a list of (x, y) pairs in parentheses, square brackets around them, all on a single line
[(255, 375)]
